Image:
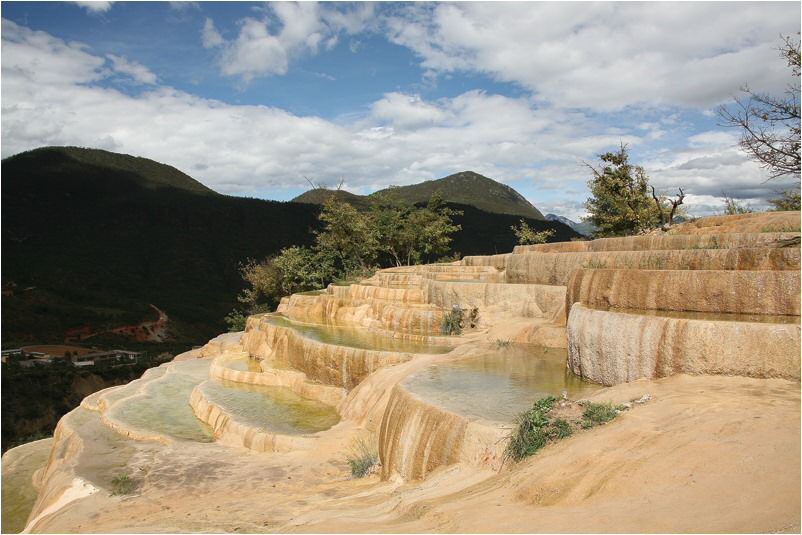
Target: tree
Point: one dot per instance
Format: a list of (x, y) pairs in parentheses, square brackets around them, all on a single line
[(770, 125), (389, 217), (526, 235), (405, 232), (787, 200), (620, 204), (430, 229), (347, 233), (349, 243), (733, 207), (662, 203)]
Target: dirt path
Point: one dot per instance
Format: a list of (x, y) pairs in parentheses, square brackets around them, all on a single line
[(146, 331)]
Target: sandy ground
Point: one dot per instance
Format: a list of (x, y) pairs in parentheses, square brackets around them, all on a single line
[(707, 454)]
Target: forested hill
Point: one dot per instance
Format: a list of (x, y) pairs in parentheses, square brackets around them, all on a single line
[(99, 236), (467, 188), (92, 238)]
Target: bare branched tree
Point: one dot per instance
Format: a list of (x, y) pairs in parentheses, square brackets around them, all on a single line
[(770, 125), (667, 222)]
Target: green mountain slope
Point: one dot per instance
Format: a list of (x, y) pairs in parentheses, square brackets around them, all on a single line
[(466, 188), (91, 238), (64, 161), (472, 189)]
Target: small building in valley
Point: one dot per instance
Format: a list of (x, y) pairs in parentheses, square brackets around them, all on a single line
[(115, 356)]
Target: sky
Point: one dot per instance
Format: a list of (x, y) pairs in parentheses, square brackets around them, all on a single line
[(263, 99)]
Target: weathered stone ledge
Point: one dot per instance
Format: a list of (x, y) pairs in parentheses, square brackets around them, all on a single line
[(610, 347), (416, 437), (527, 300), (658, 242), (292, 379), (773, 293), (556, 268), (328, 364)]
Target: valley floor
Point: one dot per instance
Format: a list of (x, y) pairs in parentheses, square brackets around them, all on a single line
[(706, 454)]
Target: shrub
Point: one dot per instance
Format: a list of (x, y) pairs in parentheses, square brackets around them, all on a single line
[(122, 484), (533, 429), (598, 413), (561, 428), (236, 321), (526, 235), (361, 456), (452, 322)]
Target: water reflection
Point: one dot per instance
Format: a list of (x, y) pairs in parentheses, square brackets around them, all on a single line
[(499, 384), (270, 408), (164, 406)]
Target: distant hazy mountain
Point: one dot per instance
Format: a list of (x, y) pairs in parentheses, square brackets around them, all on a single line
[(585, 228), (466, 187)]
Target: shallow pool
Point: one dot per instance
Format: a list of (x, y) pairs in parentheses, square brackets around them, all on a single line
[(355, 337), (244, 365), (163, 405), (500, 384), (274, 409)]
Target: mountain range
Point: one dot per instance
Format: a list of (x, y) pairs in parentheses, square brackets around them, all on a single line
[(465, 187), (91, 239), (585, 228)]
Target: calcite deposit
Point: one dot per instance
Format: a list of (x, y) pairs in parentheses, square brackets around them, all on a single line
[(704, 319)]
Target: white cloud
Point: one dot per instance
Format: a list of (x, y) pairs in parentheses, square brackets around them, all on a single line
[(39, 58), (251, 149), (211, 38), (606, 55), (52, 95), (406, 111), (95, 6), (138, 73), (266, 46)]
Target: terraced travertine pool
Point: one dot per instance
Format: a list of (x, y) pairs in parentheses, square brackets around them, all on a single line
[(274, 409), (340, 335), (246, 365), (162, 407), (499, 384)]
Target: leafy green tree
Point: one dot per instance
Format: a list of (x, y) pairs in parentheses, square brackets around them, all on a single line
[(526, 235), (351, 242), (348, 234), (389, 216), (620, 204), (429, 229), (770, 125), (787, 200), (407, 233), (236, 321)]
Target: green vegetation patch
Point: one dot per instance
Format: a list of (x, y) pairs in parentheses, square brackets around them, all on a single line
[(551, 419), (362, 456), (122, 484)]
